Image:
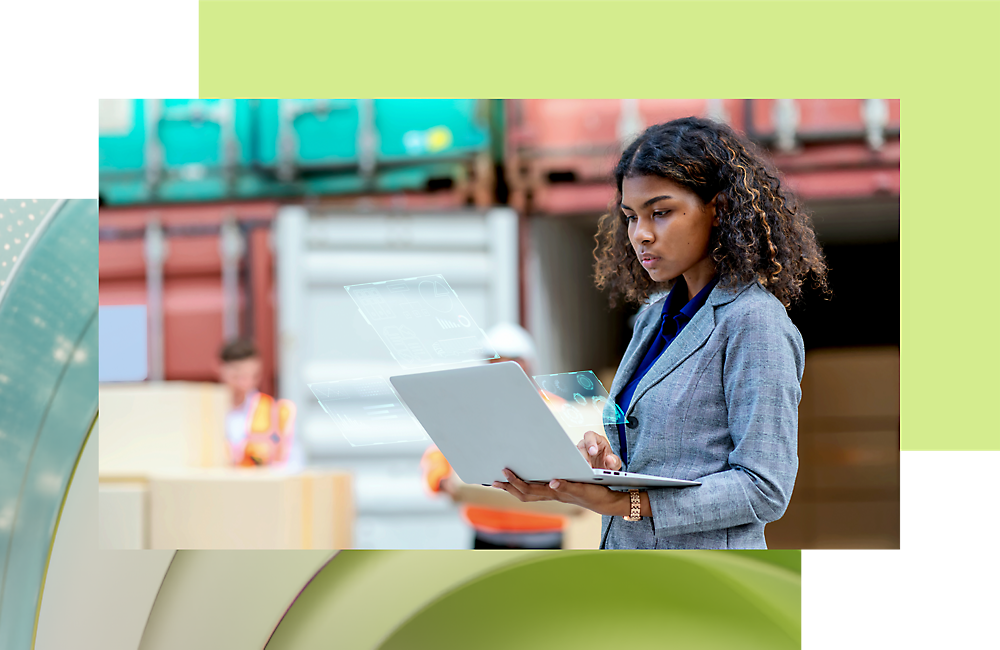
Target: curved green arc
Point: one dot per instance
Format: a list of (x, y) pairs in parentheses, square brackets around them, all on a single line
[(541, 556), (775, 624), (347, 596), (791, 624), (365, 598)]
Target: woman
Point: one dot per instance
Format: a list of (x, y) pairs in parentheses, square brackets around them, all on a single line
[(710, 381)]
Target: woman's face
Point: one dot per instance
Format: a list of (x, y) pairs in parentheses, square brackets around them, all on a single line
[(669, 228)]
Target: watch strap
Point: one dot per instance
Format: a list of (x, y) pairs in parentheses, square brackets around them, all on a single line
[(635, 503)]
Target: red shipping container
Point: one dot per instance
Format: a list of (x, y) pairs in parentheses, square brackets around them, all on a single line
[(561, 152), (192, 280), (829, 118), (553, 139)]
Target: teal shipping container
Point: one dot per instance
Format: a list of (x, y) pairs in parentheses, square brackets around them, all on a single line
[(175, 150), (203, 150)]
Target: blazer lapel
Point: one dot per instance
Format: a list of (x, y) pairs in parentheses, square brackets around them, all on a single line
[(692, 337), (641, 341)]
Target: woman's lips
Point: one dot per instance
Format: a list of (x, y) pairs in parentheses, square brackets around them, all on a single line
[(648, 261)]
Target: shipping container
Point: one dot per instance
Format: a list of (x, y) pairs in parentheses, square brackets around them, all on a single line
[(560, 153), (209, 150), (574, 140), (323, 337), (174, 150), (204, 274)]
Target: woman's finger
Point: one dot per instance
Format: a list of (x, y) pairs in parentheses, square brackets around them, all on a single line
[(513, 491), (592, 445), (532, 490), (516, 481), (611, 461)]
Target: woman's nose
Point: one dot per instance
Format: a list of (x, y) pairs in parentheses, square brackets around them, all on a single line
[(643, 232)]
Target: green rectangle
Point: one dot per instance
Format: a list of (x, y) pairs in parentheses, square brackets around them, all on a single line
[(940, 58)]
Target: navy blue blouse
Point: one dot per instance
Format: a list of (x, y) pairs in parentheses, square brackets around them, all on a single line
[(674, 317)]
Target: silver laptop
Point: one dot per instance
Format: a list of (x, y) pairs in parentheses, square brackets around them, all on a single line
[(490, 417)]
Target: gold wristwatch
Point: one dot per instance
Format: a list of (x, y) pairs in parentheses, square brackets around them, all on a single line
[(634, 514)]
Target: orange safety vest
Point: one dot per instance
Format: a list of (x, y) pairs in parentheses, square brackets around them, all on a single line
[(489, 520), (270, 427)]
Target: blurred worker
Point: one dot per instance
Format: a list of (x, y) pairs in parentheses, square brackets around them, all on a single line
[(497, 528), (259, 429)]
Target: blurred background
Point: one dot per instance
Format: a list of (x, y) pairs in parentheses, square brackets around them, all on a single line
[(225, 219)]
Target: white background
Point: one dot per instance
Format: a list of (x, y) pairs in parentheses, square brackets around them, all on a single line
[(939, 591), (57, 58)]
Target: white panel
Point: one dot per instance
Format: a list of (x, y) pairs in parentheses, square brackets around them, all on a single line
[(378, 232), (358, 267), (335, 329), (324, 338), (94, 599), (504, 264)]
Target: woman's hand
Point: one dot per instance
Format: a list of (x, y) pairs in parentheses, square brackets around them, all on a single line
[(597, 450), (598, 498)]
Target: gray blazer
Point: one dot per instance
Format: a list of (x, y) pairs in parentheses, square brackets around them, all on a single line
[(719, 406)]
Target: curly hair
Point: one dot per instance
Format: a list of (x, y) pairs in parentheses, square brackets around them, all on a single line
[(763, 232)]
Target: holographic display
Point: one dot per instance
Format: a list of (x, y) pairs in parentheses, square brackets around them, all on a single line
[(367, 411), (421, 321), (579, 402)]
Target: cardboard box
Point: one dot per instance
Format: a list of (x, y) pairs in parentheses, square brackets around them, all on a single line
[(250, 508), (154, 426)]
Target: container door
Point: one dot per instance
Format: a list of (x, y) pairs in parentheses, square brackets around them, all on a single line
[(419, 129), (122, 139), (197, 147), (304, 134)]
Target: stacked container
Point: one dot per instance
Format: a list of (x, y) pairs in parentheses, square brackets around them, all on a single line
[(225, 149), (204, 274), (561, 152)]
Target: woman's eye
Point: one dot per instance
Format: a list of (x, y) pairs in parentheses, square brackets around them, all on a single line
[(661, 213), (630, 217)]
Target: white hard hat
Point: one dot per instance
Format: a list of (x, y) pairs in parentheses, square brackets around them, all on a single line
[(512, 341)]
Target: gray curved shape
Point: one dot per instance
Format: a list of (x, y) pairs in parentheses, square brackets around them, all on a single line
[(48, 400), (93, 598), (227, 599)]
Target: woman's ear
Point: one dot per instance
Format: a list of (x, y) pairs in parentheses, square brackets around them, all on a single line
[(711, 206)]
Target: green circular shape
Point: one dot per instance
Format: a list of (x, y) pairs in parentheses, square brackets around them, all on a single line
[(485, 599), (361, 596), (662, 600)]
